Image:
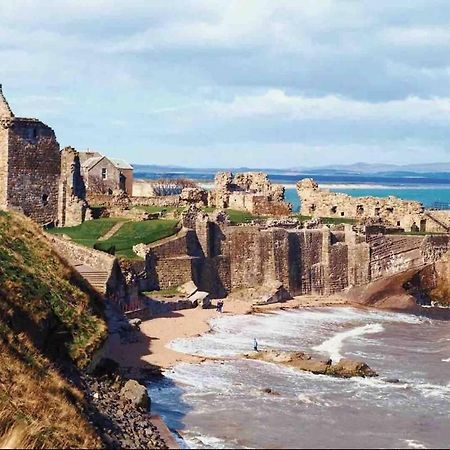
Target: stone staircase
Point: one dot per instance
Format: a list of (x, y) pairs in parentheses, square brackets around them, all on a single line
[(96, 278)]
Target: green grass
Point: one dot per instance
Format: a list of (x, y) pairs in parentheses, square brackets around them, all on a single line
[(338, 220), (170, 292), (88, 232), (238, 217), (159, 209), (131, 233), (146, 232)]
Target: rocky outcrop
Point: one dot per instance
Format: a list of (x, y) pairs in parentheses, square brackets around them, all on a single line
[(345, 368), (120, 420)]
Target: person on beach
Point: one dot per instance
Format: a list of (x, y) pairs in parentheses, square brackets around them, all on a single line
[(219, 306), (255, 345)]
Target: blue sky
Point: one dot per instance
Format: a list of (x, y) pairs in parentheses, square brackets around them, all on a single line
[(209, 83)]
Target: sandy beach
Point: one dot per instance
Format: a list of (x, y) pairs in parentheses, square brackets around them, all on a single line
[(157, 333)]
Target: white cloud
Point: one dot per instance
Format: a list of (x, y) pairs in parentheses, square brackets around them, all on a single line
[(276, 103), (320, 74)]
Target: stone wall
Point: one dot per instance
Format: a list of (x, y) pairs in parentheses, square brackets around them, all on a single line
[(72, 206), (220, 258), (31, 160), (251, 192), (318, 202), (163, 201), (3, 166)]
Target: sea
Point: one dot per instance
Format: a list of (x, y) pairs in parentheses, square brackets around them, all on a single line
[(222, 402), (432, 189)]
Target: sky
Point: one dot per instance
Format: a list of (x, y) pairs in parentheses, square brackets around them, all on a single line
[(231, 83)]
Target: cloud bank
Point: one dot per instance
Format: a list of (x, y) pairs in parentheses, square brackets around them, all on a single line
[(261, 83)]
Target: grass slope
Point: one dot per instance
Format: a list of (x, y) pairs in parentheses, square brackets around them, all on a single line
[(88, 232), (133, 233), (129, 235), (45, 321)]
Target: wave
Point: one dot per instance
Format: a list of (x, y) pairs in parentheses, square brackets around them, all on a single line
[(414, 444), (333, 346)]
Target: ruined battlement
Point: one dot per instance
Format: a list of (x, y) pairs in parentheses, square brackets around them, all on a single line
[(391, 211), (220, 258), (35, 177), (251, 191)]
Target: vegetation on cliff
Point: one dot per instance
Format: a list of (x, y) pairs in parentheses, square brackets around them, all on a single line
[(47, 323)]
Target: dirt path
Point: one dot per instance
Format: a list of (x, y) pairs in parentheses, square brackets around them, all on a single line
[(112, 231)]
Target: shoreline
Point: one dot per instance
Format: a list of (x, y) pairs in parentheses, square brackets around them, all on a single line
[(157, 333)]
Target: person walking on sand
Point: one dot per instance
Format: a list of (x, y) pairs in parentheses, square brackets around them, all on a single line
[(255, 345)]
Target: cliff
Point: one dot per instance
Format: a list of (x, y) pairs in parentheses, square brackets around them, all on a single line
[(49, 327)]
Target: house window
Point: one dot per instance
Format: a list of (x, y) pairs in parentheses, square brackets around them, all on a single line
[(104, 174)]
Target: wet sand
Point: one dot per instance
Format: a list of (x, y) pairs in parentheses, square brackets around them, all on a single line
[(161, 330)]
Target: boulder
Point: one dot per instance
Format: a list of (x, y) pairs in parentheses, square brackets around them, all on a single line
[(275, 294), (136, 393), (188, 289), (203, 299), (347, 368)]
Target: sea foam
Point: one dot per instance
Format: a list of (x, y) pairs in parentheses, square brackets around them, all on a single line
[(333, 346)]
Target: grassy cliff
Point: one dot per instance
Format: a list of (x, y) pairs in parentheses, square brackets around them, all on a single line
[(47, 321)]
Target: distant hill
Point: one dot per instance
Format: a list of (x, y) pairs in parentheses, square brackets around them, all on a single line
[(354, 169)]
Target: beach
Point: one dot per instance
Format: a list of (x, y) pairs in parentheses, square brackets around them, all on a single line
[(157, 333)]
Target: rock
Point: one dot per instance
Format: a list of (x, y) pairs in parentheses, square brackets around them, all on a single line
[(105, 367), (202, 298), (135, 323), (136, 393), (391, 380), (348, 368), (270, 392), (188, 289), (141, 250), (276, 293)]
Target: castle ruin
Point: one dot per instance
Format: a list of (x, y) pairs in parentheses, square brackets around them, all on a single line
[(35, 177), (251, 192), (220, 258), (391, 211)]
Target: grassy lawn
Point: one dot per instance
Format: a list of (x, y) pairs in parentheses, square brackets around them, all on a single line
[(88, 232), (338, 220), (171, 292), (133, 233), (158, 209), (238, 217)]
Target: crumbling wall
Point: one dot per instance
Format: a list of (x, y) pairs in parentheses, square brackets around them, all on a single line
[(318, 202), (251, 192), (33, 169), (3, 165), (72, 205)]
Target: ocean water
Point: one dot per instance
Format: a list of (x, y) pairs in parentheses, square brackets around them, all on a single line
[(429, 195), (426, 188), (221, 404)]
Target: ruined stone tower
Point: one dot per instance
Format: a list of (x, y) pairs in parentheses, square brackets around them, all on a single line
[(30, 166)]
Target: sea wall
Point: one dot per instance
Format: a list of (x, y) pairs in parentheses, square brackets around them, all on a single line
[(222, 258)]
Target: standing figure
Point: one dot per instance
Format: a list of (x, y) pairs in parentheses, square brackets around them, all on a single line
[(255, 345)]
